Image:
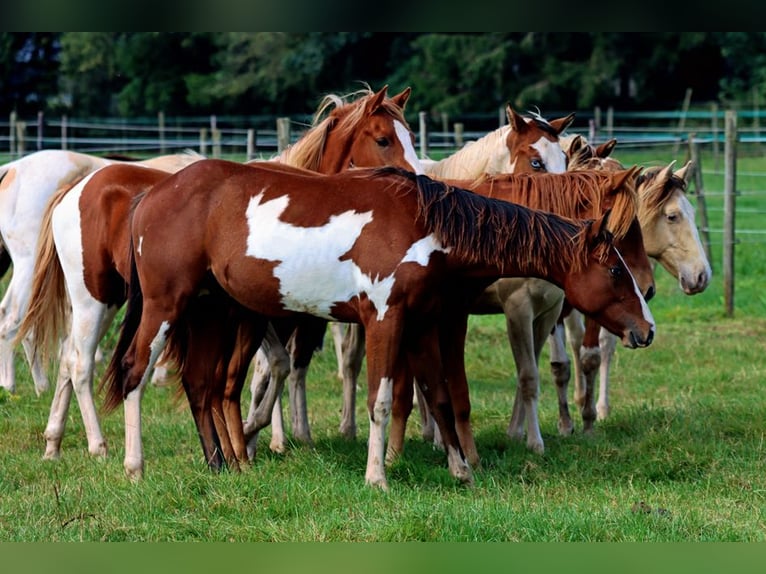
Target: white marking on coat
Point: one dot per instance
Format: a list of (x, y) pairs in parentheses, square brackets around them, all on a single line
[(314, 279), (409, 150)]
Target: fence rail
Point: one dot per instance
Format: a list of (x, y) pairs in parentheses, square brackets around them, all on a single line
[(261, 136)]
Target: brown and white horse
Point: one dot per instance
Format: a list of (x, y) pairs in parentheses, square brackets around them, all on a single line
[(525, 145), (379, 247), (85, 239), (26, 185)]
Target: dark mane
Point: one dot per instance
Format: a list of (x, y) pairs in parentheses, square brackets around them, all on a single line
[(485, 229)]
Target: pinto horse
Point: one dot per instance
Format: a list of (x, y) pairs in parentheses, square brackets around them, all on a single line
[(525, 145), (85, 237), (381, 247), (670, 237), (26, 185)]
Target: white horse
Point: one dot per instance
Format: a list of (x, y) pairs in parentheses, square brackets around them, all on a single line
[(26, 185)]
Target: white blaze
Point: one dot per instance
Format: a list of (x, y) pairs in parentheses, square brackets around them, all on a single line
[(409, 151)]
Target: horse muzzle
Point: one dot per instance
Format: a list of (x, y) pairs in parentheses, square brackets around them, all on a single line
[(634, 338)]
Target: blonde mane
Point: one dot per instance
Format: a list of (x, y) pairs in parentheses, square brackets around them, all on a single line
[(474, 158)]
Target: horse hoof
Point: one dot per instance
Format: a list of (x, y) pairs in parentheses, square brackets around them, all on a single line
[(380, 483), (99, 451)]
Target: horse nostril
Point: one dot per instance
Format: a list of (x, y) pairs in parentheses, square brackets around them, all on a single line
[(649, 293), (650, 337)]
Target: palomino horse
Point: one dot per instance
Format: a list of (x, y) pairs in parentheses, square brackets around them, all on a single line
[(85, 238), (524, 145), (670, 237), (26, 185), (381, 246), (532, 305)]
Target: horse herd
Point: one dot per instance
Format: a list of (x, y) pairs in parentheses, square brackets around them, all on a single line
[(224, 264)]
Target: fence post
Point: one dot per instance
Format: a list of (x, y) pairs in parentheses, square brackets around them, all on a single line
[(12, 133), (63, 132), (445, 128), (682, 121), (596, 122), (609, 122), (458, 134), (21, 128), (283, 134), (729, 204), (250, 144), (423, 135), (694, 155), (216, 143), (502, 116), (203, 141), (39, 130), (161, 130), (714, 128)]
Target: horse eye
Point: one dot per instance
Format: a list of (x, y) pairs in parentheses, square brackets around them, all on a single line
[(536, 164), (673, 217), (615, 271), (382, 142)]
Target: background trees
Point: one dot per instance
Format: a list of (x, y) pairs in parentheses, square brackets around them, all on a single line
[(181, 73)]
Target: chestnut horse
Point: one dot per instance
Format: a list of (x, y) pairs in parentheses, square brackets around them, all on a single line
[(532, 305), (525, 145), (381, 247), (26, 185), (85, 238)]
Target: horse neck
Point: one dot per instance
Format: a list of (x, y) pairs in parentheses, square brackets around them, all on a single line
[(488, 154)]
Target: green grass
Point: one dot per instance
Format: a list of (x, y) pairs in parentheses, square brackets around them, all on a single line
[(681, 458)]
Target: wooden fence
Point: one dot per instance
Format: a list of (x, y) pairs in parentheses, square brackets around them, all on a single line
[(260, 136)]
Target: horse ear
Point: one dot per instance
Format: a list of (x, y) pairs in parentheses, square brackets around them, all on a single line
[(576, 143), (606, 148), (376, 100), (517, 122), (401, 98), (560, 124), (621, 176), (665, 174), (685, 171)]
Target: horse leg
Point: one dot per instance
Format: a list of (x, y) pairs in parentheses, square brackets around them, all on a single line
[(384, 364), (62, 396), (521, 337), (249, 335), (561, 372), (10, 319), (452, 331), (575, 330), (607, 343), (424, 354), (339, 333), (307, 337), (39, 376), (81, 369), (590, 358), (401, 407), (427, 429), (352, 356)]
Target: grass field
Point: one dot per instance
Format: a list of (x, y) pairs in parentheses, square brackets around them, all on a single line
[(681, 458)]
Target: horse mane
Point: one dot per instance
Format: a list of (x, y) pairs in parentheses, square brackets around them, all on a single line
[(472, 159), (483, 229), (569, 193), (656, 192), (340, 113)]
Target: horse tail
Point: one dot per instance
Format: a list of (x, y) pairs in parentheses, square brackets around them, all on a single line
[(113, 383), (49, 307)]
